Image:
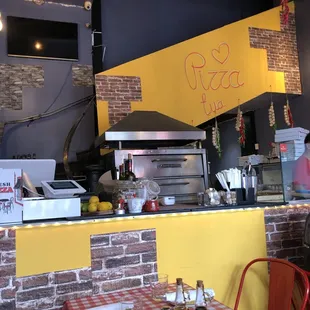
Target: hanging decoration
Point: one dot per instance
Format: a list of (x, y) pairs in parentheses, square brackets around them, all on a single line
[(288, 116), (216, 138), (240, 127), (285, 11), (272, 116)]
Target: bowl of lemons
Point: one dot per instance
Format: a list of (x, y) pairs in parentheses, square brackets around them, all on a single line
[(94, 205)]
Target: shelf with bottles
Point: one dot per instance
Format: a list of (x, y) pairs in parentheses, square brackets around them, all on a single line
[(125, 172)]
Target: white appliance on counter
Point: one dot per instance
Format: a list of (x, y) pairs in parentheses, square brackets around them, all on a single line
[(58, 200), (36, 209)]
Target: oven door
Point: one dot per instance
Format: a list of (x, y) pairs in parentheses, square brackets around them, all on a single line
[(183, 189), (159, 166)]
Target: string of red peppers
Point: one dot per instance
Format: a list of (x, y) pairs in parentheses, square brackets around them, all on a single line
[(285, 11), (242, 132), (240, 127)]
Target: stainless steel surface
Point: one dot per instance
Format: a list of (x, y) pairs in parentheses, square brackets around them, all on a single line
[(119, 211), (158, 166), (179, 172), (249, 182), (177, 187), (153, 135), (150, 126)]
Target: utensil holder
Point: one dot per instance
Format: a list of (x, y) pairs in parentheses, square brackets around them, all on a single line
[(241, 195)]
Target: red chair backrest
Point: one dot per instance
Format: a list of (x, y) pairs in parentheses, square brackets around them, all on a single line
[(288, 285)]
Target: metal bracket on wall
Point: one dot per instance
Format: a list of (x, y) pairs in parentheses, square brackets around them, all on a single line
[(93, 37)]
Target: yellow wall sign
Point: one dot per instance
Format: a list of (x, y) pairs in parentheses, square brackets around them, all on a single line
[(201, 78)]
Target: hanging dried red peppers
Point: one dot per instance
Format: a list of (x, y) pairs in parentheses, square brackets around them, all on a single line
[(285, 11), (240, 127)]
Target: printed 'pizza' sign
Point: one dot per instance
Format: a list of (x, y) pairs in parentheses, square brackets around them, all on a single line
[(11, 204)]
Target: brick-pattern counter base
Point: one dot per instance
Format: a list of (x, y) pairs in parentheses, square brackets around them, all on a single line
[(123, 260), (119, 92), (282, 52), (119, 261), (51, 290), (284, 233), (7, 270)]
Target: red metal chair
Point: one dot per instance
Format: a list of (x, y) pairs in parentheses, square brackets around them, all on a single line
[(288, 285), (308, 275)]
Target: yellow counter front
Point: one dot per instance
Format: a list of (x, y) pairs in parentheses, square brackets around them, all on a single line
[(212, 246)]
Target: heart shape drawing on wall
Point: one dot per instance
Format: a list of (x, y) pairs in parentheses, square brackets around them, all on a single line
[(221, 53)]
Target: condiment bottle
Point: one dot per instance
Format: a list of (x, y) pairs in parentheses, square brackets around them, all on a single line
[(129, 175), (200, 302), (121, 172), (179, 296)]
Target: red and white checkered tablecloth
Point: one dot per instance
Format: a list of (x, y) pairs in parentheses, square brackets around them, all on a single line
[(137, 294)]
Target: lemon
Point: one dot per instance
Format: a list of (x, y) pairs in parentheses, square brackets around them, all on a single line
[(104, 206), (92, 207), (94, 199)]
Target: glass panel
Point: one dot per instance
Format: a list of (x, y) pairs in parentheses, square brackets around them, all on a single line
[(295, 171)]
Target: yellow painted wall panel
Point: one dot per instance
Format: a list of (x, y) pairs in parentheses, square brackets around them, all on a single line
[(102, 110), (213, 247), (167, 78)]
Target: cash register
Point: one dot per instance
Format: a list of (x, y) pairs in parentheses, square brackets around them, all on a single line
[(61, 197)]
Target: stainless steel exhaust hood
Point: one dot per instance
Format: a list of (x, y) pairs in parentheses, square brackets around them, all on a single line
[(150, 128)]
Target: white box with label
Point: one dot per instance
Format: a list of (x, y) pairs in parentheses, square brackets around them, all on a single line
[(11, 203)]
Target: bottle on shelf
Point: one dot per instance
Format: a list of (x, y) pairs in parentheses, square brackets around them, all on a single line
[(129, 175), (179, 296), (121, 172), (200, 302)]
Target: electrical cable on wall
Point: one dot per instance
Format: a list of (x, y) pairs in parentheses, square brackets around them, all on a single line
[(48, 114), (58, 95), (70, 136)]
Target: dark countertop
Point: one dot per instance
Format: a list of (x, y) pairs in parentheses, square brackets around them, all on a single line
[(178, 208)]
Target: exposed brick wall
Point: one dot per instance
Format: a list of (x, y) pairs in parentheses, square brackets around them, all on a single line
[(119, 91), (13, 78), (119, 261), (51, 290), (7, 270), (44, 291), (123, 260), (82, 75), (284, 233), (282, 52)]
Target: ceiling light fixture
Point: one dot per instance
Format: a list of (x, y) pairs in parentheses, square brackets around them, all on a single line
[(38, 46), (1, 24)]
